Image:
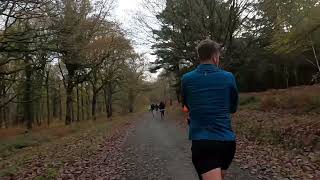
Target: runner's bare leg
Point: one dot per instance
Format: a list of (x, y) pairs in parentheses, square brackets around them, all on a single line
[(214, 174)]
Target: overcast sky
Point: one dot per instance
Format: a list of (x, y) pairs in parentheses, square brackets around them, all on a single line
[(125, 11), (126, 7)]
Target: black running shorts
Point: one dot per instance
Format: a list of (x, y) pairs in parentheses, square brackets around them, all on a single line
[(208, 155)]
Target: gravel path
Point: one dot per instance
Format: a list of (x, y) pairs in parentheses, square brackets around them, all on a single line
[(158, 149)]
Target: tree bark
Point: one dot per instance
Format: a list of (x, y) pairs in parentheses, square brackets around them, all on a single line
[(28, 113), (40, 111), (287, 76), (296, 76), (105, 99), (72, 110), (78, 104), (88, 103), (60, 102), (2, 110), (131, 100), (68, 105), (82, 103), (109, 100), (178, 95), (94, 103), (48, 98), (105, 94), (1, 118), (5, 118)]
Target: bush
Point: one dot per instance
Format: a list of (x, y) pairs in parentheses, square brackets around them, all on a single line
[(245, 100), (50, 174), (249, 102), (315, 104), (298, 100), (268, 103)]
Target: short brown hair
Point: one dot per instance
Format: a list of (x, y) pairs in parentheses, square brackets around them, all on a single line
[(207, 48)]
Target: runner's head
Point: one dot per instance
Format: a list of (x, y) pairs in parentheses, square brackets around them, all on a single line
[(209, 52)]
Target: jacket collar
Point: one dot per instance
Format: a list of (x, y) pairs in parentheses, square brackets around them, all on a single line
[(207, 67)]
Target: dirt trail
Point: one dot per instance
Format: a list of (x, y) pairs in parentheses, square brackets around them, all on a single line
[(158, 149), (147, 149)]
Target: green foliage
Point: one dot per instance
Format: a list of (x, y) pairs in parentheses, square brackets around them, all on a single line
[(184, 24), (268, 43), (10, 146), (50, 174), (314, 105), (8, 171), (250, 102), (301, 36)]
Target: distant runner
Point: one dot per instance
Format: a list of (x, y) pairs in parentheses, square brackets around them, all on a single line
[(152, 108), (156, 107), (162, 108), (210, 95)]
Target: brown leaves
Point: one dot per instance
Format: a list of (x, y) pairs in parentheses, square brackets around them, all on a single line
[(278, 145), (70, 157), (299, 132), (271, 162), (103, 164)]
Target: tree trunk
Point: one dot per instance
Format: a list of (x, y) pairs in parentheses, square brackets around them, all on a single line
[(71, 68), (178, 95), (131, 100), (72, 110), (5, 117), (109, 100), (315, 56), (105, 99), (287, 76), (1, 118), (82, 103), (68, 105), (2, 115), (78, 104), (88, 103), (296, 76), (3, 99), (105, 93), (94, 103), (48, 98), (28, 113), (17, 115), (60, 102), (54, 99), (40, 111)]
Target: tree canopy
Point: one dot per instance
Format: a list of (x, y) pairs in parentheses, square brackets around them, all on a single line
[(64, 59), (269, 44)]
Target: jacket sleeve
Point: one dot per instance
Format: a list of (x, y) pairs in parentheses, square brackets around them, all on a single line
[(234, 96)]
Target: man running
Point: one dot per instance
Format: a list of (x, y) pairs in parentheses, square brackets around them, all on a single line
[(162, 108), (152, 107), (211, 96), (156, 107)]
